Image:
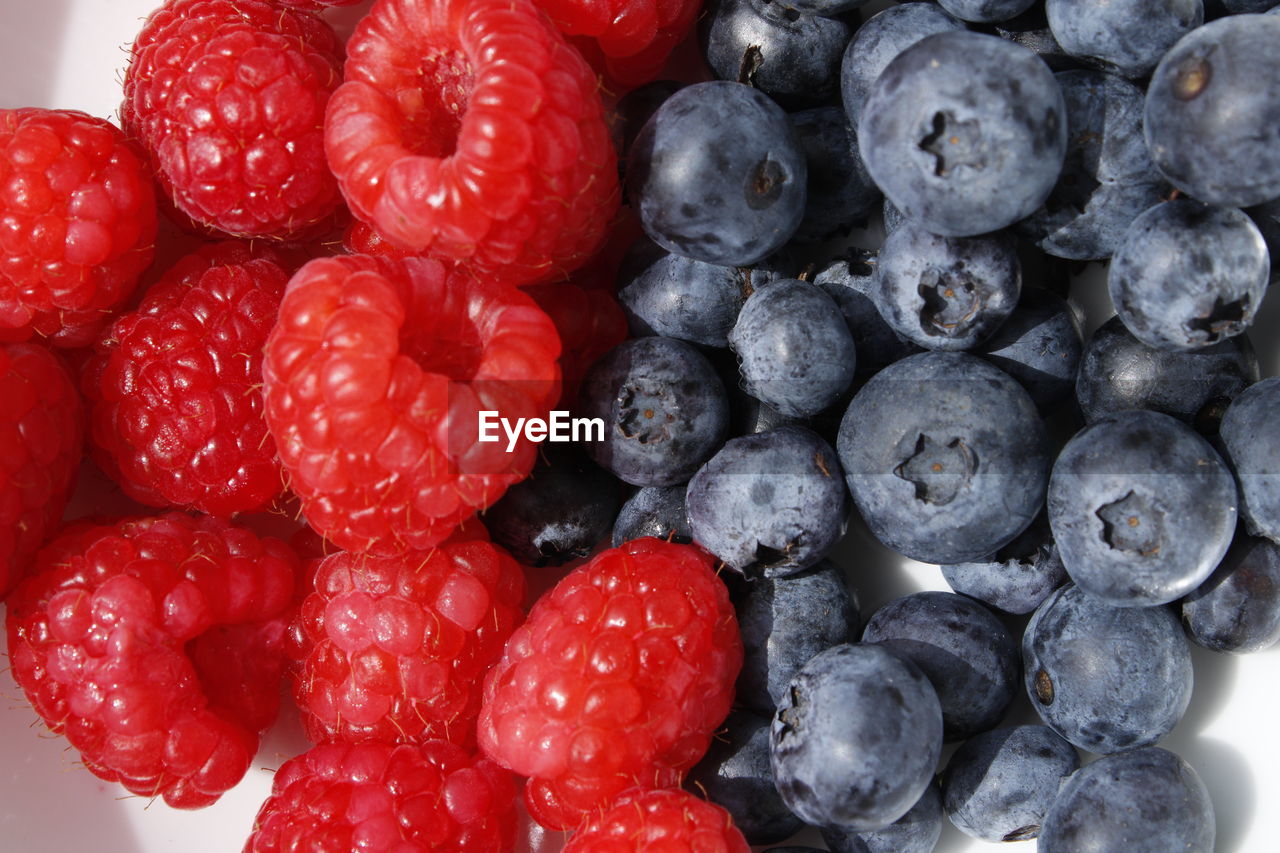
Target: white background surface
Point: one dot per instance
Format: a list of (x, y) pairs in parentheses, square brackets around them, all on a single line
[(71, 54)]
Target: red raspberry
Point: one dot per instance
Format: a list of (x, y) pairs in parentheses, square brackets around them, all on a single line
[(590, 323), (618, 678), (41, 434), (228, 98), (469, 130), (375, 376), (386, 798), (156, 646), (77, 223), (177, 411), (629, 40), (659, 821), (395, 648)]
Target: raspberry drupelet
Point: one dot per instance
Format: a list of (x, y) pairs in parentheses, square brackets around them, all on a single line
[(627, 40), (617, 679), (668, 820)]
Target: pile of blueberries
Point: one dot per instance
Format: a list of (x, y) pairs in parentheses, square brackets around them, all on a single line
[(1109, 499)]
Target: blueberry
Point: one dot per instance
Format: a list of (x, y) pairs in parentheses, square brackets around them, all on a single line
[(985, 11), (1000, 785), (1107, 178), (1238, 608), (1187, 275), (1267, 218), (892, 216), (791, 56), (716, 174), (1143, 801), (965, 133), (1106, 678), (1039, 345), (794, 350), (786, 621), (1018, 577), (1119, 372), (735, 774), (946, 293), (880, 38), (769, 504), (917, 831), (961, 647), (1250, 434), (560, 512), (664, 410), (1031, 30), (850, 280), (656, 511), (633, 110), (839, 190), (856, 738), (1213, 112), (946, 457), (1127, 36)]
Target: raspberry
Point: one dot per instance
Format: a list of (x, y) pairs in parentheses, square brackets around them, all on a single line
[(590, 323), (176, 386), (395, 648), (469, 130), (375, 376), (156, 646), (659, 821), (618, 678), (629, 40), (228, 98), (386, 798), (77, 223), (41, 433)]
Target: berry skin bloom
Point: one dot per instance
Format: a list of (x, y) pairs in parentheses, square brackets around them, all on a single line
[(41, 437), (177, 415), (470, 131), (375, 375), (77, 224), (659, 821), (395, 649), (228, 98), (387, 798), (156, 646), (617, 679)]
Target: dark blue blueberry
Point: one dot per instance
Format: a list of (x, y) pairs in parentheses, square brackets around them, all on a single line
[(1018, 577), (1143, 801), (1250, 434), (1000, 785), (735, 774), (840, 191), (716, 174), (794, 350), (1238, 608), (964, 650), (965, 133), (1213, 112), (946, 293), (633, 110), (664, 410), (1142, 509), (1187, 275), (917, 831), (1119, 372), (786, 621), (851, 280), (1108, 177), (1106, 678), (656, 511), (946, 457), (985, 11), (1127, 36), (1040, 346), (769, 504), (856, 738), (678, 297), (880, 38), (560, 512), (791, 56)]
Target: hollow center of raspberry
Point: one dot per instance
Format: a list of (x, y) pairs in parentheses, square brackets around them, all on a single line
[(434, 109), (452, 349)]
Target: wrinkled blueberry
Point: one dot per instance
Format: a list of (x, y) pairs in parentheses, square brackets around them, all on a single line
[(1018, 577), (1039, 345)]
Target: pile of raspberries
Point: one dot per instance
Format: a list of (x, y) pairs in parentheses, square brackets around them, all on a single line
[(283, 287)]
